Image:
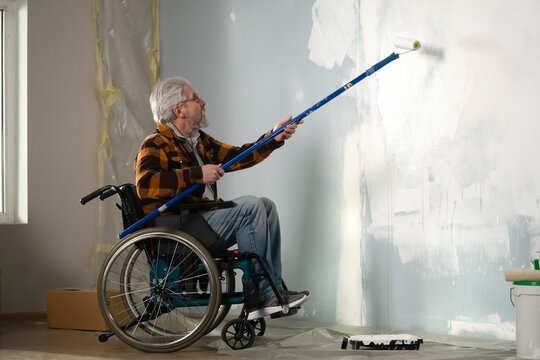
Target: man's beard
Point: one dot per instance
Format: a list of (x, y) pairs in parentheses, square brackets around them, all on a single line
[(203, 123)]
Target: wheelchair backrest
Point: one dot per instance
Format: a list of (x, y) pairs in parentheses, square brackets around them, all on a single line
[(131, 205)]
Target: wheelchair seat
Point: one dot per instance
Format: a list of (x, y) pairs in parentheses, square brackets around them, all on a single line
[(187, 218)]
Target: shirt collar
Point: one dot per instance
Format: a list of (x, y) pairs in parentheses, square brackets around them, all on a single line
[(192, 139)]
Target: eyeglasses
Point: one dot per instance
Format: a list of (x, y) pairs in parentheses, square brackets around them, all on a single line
[(194, 98)]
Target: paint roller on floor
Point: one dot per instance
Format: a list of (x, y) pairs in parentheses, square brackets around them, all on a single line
[(400, 42)]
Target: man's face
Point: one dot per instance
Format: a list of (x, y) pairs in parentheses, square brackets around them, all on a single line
[(193, 109)]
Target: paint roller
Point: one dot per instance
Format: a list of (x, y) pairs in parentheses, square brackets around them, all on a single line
[(400, 42), (528, 275), (514, 275), (406, 44)]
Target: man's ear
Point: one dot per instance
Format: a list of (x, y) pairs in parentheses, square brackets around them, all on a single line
[(177, 110)]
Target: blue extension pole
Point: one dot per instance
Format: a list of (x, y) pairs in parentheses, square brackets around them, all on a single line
[(260, 143)]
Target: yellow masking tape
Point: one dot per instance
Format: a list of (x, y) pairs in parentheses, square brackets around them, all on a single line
[(104, 248), (110, 94)]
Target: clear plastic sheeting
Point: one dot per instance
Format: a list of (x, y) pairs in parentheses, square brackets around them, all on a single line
[(289, 339), (127, 58)]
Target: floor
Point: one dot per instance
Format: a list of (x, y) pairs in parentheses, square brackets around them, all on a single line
[(284, 339)]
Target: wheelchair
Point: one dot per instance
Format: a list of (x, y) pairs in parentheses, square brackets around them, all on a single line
[(162, 288)]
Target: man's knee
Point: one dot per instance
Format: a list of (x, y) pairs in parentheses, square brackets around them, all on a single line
[(250, 203), (269, 205)]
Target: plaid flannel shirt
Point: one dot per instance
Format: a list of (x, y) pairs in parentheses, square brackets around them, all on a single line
[(165, 165)]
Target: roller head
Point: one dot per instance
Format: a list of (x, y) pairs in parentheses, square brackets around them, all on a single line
[(406, 43), (522, 275)]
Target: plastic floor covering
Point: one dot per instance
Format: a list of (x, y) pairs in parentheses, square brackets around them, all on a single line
[(287, 339), (284, 339)]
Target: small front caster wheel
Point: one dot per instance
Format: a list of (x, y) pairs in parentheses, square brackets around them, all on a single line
[(104, 337), (259, 325), (238, 334)]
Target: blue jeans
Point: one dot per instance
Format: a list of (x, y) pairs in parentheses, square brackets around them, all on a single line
[(255, 223)]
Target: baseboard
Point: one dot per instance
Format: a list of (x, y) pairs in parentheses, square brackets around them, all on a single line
[(27, 316)]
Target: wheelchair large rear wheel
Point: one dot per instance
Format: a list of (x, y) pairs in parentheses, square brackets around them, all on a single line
[(159, 290)]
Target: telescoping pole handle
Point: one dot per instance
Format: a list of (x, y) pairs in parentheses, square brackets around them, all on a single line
[(260, 143)]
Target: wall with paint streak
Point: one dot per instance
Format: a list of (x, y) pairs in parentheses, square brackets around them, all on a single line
[(402, 201)]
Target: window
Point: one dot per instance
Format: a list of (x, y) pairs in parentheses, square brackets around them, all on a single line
[(2, 131), (13, 112)]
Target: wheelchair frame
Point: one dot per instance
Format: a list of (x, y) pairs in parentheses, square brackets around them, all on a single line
[(162, 288)]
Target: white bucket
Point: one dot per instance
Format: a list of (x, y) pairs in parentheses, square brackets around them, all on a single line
[(527, 299)]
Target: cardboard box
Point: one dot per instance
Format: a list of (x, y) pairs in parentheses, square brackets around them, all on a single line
[(74, 309)]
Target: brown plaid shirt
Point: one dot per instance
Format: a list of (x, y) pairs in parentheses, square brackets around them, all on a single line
[(165, 165)]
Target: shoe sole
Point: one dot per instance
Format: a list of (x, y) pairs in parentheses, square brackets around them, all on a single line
[(275, 309)]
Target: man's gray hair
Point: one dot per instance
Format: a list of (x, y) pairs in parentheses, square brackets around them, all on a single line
[(165, 95)]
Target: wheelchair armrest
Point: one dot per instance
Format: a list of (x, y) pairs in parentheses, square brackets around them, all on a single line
[(205, 205)]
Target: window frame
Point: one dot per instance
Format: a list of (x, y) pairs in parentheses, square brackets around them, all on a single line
[(15, 91)]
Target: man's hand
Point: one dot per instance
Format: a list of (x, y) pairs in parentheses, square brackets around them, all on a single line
[(288, 131), (212, 173)]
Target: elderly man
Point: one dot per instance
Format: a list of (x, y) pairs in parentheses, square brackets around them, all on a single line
[(178, 154)]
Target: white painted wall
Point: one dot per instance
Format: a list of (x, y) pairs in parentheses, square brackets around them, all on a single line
[(403, 201), (57, 246), (455, 131)]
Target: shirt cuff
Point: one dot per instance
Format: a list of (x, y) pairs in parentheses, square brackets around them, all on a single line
[(195, 174)]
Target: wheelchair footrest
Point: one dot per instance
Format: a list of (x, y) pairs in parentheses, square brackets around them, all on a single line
[(292, 311)]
